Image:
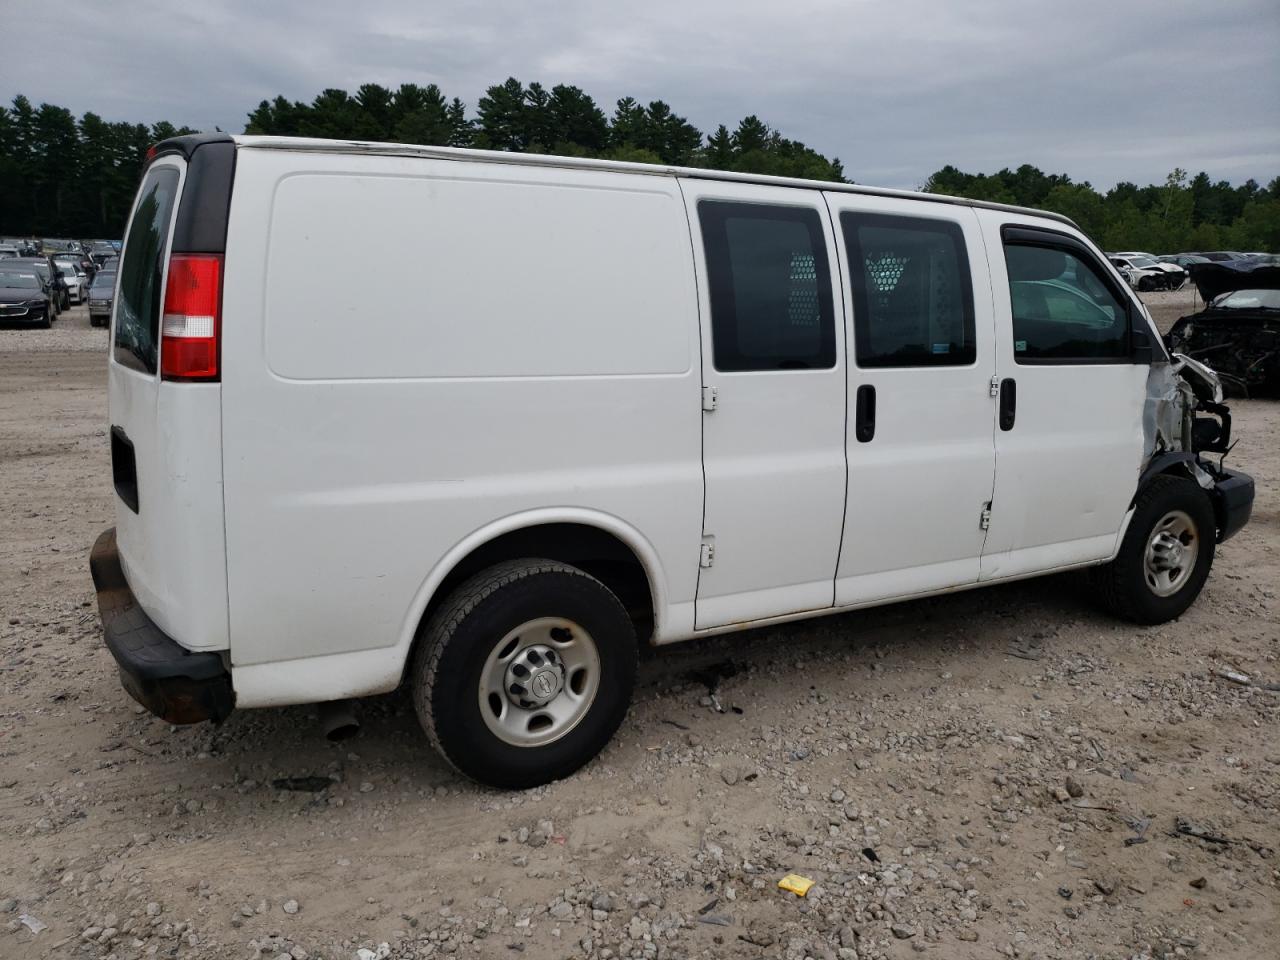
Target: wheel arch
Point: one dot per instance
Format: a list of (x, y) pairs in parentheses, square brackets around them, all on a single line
[(1178, 463), (599, 543)]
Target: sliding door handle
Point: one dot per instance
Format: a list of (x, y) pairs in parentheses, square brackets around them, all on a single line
[(864, 416), (1008, 403)]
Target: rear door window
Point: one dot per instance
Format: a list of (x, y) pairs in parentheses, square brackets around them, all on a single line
[(770, 285), (913, 297), (137, 332)]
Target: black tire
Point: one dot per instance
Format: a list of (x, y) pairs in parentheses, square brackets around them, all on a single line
[(1145, 284), (1123, 584), (458, 638), (45, 321)]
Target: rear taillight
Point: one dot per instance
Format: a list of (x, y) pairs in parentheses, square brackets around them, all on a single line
[(192, 304)]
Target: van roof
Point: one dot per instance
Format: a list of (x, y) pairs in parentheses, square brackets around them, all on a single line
[(185, 145)]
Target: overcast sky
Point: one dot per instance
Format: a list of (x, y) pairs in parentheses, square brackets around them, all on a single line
[(1103, 91)]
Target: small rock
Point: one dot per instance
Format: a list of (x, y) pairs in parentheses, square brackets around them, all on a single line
[(603, 902), (729, 775), (902, 931), (290, 907), (1199, 883), (1074, 789)]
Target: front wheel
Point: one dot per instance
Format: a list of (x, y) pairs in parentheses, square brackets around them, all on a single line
[(1166, 554), (525, 672)]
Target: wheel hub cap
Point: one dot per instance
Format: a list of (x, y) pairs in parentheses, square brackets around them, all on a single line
[(1171, 553), (534, 677), (539, 681)]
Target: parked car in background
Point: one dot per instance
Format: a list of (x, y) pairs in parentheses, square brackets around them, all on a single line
[(1175, 277), (76, 280), (1183, 260), (1140, 273), (1220, 256), (101, 250), (24, 246), (49, 277), (84, 263), (101, 291), (1238, 331), (23, 300), (9, 252)]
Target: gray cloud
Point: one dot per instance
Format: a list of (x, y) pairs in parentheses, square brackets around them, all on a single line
[(1100, 90)]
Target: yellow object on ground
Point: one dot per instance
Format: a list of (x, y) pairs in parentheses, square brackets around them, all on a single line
[(796, 884)]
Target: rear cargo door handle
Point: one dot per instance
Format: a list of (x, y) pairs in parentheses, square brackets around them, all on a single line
[(1008, 403), (864, 417)]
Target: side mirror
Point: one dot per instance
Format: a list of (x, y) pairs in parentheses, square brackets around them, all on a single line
[(1140, 346)]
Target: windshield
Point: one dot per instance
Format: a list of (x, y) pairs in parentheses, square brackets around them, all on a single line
[(19, 281), (1142, 261), (1248, 300)]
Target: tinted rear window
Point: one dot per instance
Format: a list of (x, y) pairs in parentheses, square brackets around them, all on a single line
[(137, 308)]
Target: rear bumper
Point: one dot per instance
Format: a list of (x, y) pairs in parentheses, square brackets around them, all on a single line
[(174, 683), (1232, 502)]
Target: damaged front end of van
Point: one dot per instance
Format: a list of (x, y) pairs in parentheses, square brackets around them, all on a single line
[(1185, 425)]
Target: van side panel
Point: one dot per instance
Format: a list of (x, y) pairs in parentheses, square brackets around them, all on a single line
[(414, 350)]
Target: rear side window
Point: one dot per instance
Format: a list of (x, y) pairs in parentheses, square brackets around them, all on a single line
[(912, 294), (770, 287), (142, 272), (1063, 311)]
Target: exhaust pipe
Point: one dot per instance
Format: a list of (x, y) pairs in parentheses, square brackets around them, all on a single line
[(338, 720)]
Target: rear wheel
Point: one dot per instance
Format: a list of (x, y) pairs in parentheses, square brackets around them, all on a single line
[(1166, 554), (525, 672)]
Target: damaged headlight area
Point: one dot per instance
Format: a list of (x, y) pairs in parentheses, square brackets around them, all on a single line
[(1185, 420)]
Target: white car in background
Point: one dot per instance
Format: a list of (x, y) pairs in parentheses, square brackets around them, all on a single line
[(1175, 277), (1141, 273), (77, 281)]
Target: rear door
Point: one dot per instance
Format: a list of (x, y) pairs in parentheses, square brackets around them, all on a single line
[(1069, 443), (774, 400), (165, 436), (921, 416)]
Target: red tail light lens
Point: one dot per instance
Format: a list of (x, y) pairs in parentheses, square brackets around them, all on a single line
[(192, 304)]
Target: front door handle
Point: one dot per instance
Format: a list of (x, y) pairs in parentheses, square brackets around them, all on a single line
[(1008, 403), (864, 417)]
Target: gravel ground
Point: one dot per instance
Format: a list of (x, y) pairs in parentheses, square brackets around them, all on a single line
[(1004, 772)]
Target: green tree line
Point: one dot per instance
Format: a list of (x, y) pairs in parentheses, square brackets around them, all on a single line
[(60, 176), (1183, 213), (562, 120)]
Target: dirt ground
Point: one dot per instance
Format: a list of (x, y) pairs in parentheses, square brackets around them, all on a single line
[(994, 773)]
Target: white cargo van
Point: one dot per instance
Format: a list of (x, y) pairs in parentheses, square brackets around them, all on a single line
[(629, 404)]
